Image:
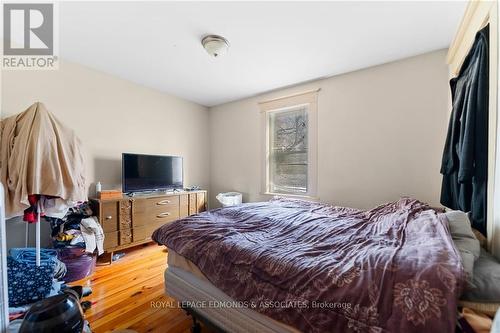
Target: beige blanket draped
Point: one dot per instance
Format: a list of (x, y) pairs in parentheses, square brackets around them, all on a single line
[(39, 155)]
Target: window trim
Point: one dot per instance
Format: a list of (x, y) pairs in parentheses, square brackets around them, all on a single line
[(309, 99)]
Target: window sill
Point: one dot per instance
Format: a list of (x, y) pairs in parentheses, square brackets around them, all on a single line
[(297, 196)]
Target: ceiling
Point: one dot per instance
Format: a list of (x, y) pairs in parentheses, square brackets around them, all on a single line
[(273, 44)]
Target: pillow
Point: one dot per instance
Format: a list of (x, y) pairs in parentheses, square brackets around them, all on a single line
[(468, 245), (468, 264), (465, 242), (486, 280), (462, 234), (459, 224)]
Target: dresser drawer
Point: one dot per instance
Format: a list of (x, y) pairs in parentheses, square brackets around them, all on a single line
[(200, 202), (116, 238), (109, 218), (111, 239), (192, 204), (125, 236), (148, 211), (156, 203), (183, 205), (145, 232), (125, 219)]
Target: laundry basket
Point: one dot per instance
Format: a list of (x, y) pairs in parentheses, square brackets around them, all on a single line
[(78, 263), (229, 198)]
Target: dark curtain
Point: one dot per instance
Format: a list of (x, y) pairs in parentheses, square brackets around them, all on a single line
[(465, 157)]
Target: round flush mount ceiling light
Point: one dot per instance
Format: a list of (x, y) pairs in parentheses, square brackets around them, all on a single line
[(215, 45)]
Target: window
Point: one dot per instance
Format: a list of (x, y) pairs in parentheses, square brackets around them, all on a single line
[(290, 145), (288, 150)]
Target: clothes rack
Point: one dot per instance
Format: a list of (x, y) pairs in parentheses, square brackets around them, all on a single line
[(4, 295), (37, 235)]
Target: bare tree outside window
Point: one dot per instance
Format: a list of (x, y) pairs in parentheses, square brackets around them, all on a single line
[(288, 149)]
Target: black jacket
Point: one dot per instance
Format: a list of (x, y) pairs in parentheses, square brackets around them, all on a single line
[(465, 157)]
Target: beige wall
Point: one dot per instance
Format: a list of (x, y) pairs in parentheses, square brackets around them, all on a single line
[(381, 132), (112, 116)]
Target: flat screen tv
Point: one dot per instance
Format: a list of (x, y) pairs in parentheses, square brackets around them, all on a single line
[(151, 172)]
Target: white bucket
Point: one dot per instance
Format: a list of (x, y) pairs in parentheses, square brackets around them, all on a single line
[(229, 198)]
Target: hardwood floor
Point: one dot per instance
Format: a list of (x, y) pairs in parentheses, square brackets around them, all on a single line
[(125, 293)]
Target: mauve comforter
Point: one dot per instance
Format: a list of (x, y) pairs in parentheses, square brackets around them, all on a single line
[(329, 269)]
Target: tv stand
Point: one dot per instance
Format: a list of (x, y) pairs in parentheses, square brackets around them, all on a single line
[(130, 221)]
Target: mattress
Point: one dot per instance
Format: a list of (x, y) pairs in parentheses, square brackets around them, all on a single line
[(187, 284)]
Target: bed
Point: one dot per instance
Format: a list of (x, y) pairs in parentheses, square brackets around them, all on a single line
[(187, 284), (292, 265)]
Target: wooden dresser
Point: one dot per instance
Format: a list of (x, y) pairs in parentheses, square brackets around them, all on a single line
[(130, 221)]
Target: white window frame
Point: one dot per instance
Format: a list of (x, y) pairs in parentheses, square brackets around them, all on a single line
[(310, 100)]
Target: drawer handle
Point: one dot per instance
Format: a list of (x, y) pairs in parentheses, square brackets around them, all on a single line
[(109, 217), (165, 214), (163, 202)]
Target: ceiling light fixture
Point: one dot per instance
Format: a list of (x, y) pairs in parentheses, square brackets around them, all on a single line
[(215, 45)]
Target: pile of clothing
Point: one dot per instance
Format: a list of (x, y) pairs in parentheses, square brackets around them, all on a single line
[(77, 235), (48, 206), (29, 284), (78, 228)]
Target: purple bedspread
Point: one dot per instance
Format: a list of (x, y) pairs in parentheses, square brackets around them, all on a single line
[(329, 269)]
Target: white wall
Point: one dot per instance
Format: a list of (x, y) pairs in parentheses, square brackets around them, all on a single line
[(112, 116), (381, 132)]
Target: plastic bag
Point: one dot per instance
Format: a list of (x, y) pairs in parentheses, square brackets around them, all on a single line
[(229, 198), (79, 264)]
